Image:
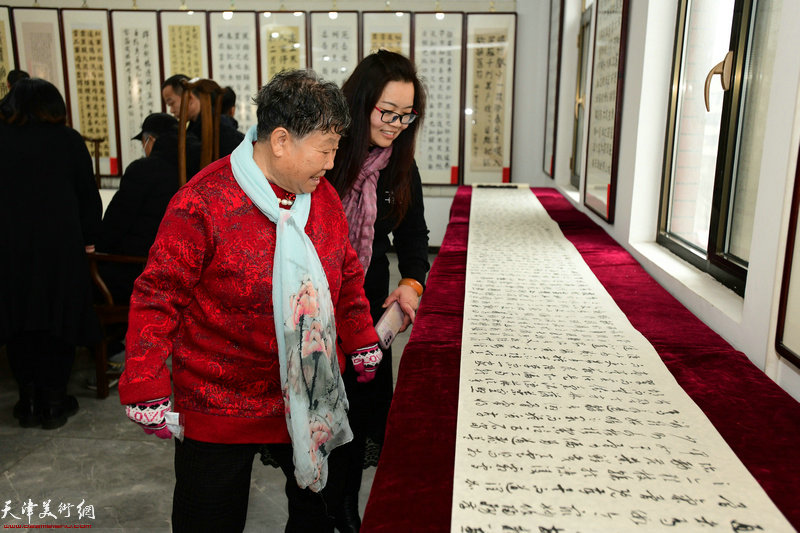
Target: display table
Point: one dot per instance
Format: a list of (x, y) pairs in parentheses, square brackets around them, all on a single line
[(412, 490)]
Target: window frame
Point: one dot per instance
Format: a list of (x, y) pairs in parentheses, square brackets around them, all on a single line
[(729, 270)]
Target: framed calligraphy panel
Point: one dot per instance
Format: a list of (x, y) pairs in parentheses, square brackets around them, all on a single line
[(608, 69), (184, 41), (489, 101), (388, 30), (553, 78), (234, 60), (91, 82), (438, 46), (787, 339), (283, 42), (136, 53), (7, 62), (38, 37), (334, 44)]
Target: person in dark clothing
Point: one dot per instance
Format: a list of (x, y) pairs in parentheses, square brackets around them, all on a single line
[(381, 190), (15, 75), (132, 217), (50, 212), (228, 110), (172, 92)]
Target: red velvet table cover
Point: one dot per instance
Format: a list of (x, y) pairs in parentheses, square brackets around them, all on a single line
[(412, 490)]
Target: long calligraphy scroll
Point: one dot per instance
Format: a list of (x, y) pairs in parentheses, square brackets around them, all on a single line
[(386, 30), (489, 96), (605, 107), (283, 42), (38, 38), (6, 49), (91, 83), (183, 36), (136, 53), (568, 419), (234, 60), (334, 44), (438, 49)]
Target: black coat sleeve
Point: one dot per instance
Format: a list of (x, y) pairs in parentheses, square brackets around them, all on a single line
[(410, 237), (122, 211)]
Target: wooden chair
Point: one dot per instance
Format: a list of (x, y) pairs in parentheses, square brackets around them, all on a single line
[(96, 143), (205, 90), (108, 312)]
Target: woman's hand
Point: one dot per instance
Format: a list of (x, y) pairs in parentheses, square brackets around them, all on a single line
[(408, 300)]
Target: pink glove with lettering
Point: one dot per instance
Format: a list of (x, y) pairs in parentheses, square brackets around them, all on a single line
[(366, 361), (150, 415)]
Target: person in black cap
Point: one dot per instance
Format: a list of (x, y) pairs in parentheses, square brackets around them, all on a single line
[(15, 75), (132, 218)]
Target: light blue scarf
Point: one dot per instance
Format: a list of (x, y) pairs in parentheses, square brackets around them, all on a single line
[(313, 391)]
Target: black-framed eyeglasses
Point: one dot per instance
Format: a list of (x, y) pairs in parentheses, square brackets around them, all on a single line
[(390, 117)]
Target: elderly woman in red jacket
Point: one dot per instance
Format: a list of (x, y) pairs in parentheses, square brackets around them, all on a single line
[(254, 290)]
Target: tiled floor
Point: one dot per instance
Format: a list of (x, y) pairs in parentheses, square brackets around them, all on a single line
[(103, 460)]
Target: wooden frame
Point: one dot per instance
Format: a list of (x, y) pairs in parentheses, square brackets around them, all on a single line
[(489, 101), (234, 59), (787, 338), (39, 51), (283, 42), (608, 68), (184, 43), (136, 59), (391, 30), (553, 80), (8, 60), (87, 50), (335, 44), (439, 41)]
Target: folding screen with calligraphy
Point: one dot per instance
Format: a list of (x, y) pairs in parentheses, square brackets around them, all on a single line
[(91, 82), (438, 55), (6, 49), (605, 102), (38, 36), (386, 30), (136, 62), (489, 102), (234, 60), (183, 38), (283, 42), (334, 44)]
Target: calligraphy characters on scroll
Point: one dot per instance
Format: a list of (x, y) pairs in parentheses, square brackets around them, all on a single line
[(336, 45), (437, 66), (185, 49), (90, 81), (384, 40), (137, 56), (489, 89), (5, 62), (283, 49)]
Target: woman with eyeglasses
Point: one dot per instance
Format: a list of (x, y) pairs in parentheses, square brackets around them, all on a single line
[(379, 183)]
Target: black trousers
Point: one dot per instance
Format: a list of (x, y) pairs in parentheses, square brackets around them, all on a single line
[(212, 488), (40, 359)]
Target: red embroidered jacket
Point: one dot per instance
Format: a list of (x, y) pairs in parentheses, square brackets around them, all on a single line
[(205, 298)]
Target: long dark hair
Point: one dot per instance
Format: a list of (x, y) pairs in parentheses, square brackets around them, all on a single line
[(33, 100), (362, 90)]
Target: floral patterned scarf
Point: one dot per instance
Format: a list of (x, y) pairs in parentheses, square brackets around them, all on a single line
[(315, 402)]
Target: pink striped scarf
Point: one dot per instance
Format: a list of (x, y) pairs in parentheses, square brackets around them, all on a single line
[(361, 204)]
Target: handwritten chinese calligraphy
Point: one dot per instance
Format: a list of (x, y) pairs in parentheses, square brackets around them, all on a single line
[(282, 49), (490, 61), (334, 45), (5, 58), (235, 66), (439, 66), (28, 511), (185, 49), (385, 40), (42, 57), (90, 82), (568, 420)]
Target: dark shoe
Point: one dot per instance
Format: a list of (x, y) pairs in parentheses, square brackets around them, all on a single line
[(55, 412), (27, 409), (347, 519)]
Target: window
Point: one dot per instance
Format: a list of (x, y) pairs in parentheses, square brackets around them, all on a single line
[(713, 143)]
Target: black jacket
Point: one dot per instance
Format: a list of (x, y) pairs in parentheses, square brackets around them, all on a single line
[(132, 218), (229, 136)]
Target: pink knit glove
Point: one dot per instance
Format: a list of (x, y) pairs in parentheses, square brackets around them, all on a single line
[(366, 361), (150, 415)]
